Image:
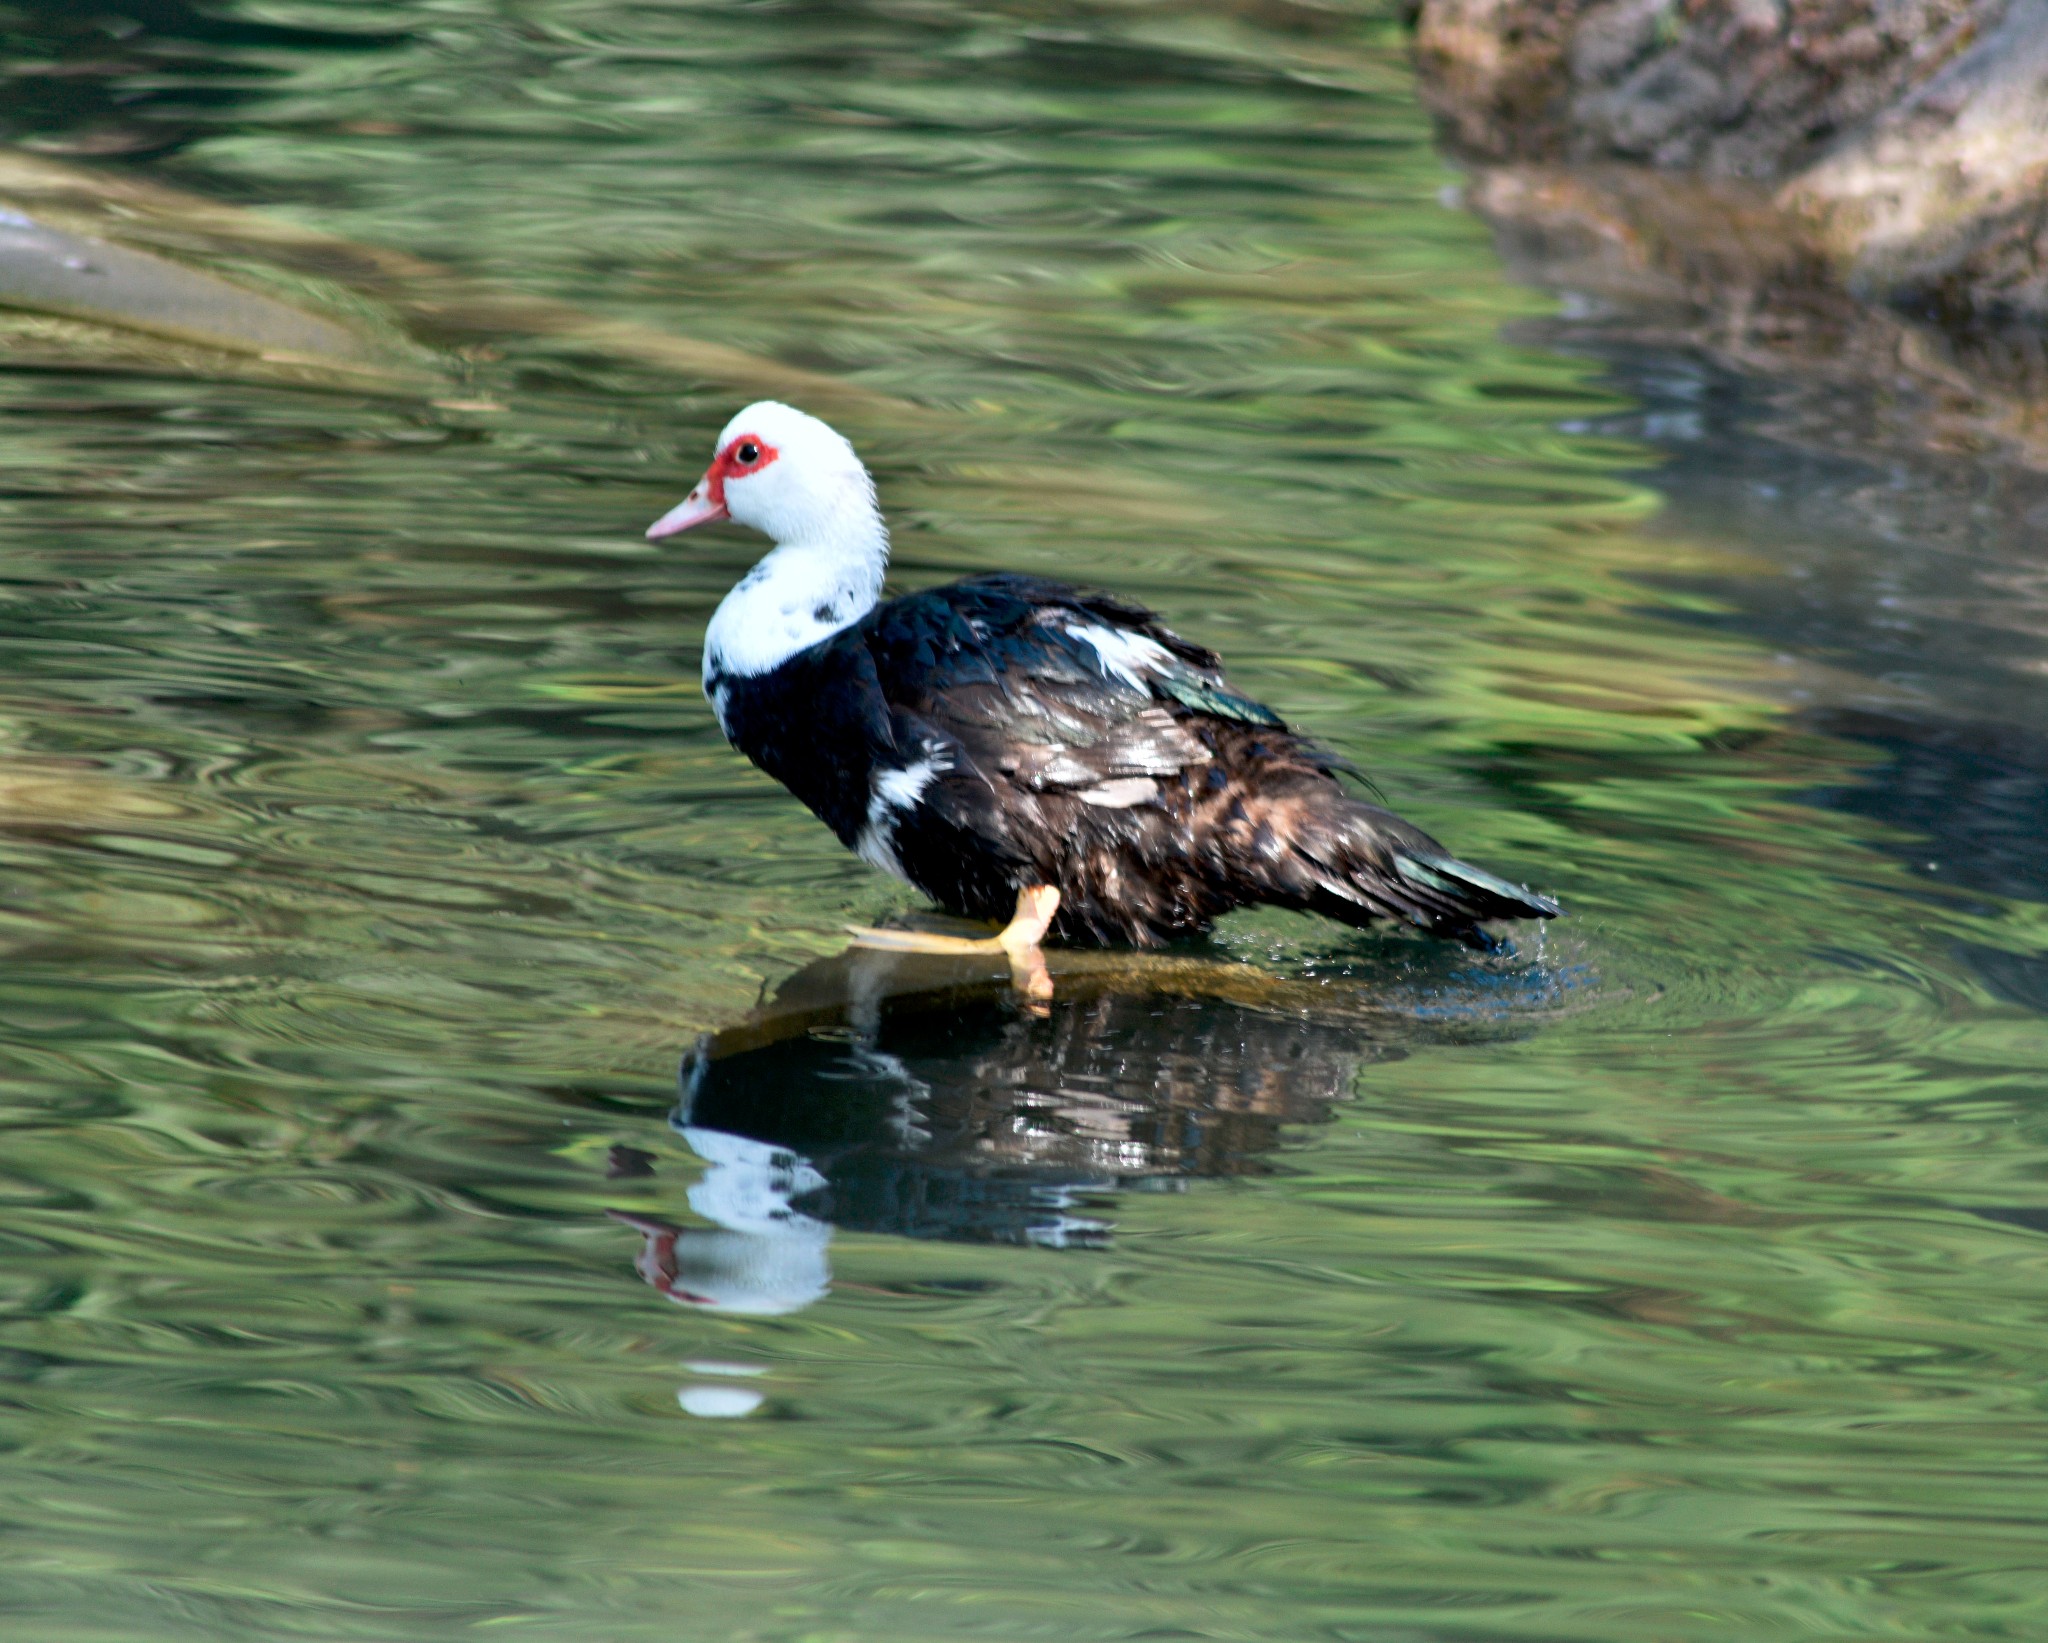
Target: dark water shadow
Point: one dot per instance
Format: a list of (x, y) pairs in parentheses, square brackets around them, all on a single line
[(923, 1098), (141, 77), (1911, 583), (1879, 485)]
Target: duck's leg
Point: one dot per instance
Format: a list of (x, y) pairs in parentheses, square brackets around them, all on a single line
[(1018, 941), (1036, 905)]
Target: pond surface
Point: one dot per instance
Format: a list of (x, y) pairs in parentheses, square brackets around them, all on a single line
[(372, 863)]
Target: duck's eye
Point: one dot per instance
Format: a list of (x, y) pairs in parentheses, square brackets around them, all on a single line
[(746, 451)]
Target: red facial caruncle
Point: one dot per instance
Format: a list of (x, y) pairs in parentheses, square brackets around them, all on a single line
[(744, 454)]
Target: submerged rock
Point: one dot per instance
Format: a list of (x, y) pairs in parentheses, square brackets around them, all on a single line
[(46, 269), (184, 269), (404, 324)]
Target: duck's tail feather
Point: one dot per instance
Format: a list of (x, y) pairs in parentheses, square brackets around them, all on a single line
[(1484, 894), (1360, 864)]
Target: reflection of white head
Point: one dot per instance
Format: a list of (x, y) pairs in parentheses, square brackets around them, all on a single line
[(764, 1257)]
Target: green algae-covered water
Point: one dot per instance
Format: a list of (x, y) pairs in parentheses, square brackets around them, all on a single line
[(372, 862)]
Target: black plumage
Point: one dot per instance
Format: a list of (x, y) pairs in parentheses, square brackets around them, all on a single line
[(1006, 730)]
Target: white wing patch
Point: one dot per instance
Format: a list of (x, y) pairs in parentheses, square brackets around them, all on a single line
[(1121, 793), (1126, 656), (875, 848), (901, 789), (891, 794)]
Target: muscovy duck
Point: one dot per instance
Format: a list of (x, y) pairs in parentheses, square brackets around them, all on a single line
[(1020, 749)]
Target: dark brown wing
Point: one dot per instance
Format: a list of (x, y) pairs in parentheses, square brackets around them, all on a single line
[(1073, 740)]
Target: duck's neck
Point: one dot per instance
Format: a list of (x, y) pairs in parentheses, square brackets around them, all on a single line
[(801, 593)]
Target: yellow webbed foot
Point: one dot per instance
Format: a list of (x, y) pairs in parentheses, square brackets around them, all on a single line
[(1019, 940)]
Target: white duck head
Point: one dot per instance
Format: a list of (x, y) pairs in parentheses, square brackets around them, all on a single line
[(798, 482)]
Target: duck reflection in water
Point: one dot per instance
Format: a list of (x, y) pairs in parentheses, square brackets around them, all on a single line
[(913, 1095)]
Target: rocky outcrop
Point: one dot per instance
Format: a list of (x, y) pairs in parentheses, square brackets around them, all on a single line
[(1895, 148)]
